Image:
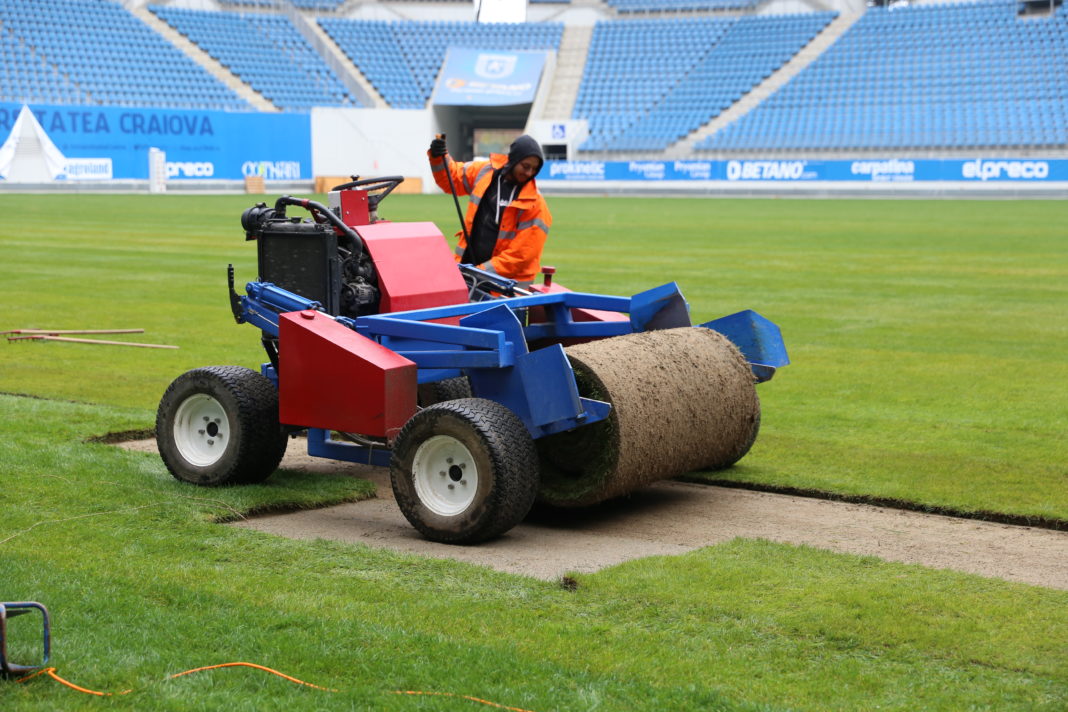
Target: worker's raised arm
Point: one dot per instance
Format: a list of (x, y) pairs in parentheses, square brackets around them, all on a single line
[(443, 168)]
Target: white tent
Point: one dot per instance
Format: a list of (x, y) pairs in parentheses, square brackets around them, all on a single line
[(28, 155)]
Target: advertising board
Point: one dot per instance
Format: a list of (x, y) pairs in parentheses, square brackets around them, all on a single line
[(113, 142), (892, 170)]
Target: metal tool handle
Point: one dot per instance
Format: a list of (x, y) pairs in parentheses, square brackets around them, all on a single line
[(455, 198)]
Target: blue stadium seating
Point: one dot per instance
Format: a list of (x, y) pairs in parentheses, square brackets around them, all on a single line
[(271, 4), (631, 66), (25, 78), (402, 59), (318, 4), (95, 52), (249, 3), (649, 83), (266, 51), (628, 6), (960, 76)]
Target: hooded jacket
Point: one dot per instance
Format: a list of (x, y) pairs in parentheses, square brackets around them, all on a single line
[(525, 222)]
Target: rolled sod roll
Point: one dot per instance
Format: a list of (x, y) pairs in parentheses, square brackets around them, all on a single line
[(682, 400)]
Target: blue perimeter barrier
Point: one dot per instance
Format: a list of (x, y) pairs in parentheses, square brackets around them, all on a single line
[(893, 170), (112, 143)]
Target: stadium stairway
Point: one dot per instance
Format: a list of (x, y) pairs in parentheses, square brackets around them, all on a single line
[(335, 58), (210, 65), (570, 62), (811, 51)]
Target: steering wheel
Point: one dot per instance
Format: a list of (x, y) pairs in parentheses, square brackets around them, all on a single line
[(385, 183)]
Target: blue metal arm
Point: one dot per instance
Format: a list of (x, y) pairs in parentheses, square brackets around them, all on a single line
[(263, 302), (489, 344)]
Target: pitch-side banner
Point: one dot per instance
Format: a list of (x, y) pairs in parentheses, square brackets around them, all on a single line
[(112, 143), (475, 77), (979, 170)]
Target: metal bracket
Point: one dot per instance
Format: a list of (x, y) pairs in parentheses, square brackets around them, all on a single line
[(10, 610), (759, 340), (235, 298), (661, 307)]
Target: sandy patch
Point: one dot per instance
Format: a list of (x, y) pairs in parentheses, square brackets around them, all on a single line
[(673, 518)]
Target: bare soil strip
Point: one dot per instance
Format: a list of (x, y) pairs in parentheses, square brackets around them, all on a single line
[(671, 518)]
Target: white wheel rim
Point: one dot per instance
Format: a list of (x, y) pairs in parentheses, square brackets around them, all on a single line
[(445, 474), (201, 430)]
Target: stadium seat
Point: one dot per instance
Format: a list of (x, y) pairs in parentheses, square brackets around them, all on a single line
[(97, 64), (916, 78), (265, 51), (648, 83)]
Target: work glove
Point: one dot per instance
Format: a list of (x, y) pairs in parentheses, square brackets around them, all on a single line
[(437, 148)]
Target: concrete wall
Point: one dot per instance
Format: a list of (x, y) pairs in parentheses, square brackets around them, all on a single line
[(372, 142)]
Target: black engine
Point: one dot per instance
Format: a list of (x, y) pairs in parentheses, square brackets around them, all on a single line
[(320, 257), (309, 258)]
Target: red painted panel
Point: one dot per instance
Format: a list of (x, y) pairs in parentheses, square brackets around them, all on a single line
[(330, 377), (354, 207), (415, 266)]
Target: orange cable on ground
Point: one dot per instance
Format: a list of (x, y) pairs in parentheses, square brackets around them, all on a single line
[(51, 672), (251, 665), (464, 697)]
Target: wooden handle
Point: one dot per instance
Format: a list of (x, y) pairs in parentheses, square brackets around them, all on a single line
[(49, 337)]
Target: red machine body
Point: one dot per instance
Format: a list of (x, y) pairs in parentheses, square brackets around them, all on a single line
[(414, 264), (355, 206), (375, 396), (415, 268), (376, 392)]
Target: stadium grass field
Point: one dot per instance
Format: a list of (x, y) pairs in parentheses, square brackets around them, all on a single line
[(927, 346)]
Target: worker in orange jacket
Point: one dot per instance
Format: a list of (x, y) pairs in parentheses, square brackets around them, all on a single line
[(507, 219)]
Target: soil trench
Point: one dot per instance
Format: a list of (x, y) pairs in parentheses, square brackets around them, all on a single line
[(670, 518)]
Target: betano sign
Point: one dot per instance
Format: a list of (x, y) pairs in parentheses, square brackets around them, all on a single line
[(113, 143), (894, 170)]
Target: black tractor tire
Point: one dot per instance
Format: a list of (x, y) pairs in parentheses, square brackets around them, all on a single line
[(464, 471), (218, 425), (446, 390)]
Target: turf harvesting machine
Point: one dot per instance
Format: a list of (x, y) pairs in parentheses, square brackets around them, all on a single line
[(480, 396)]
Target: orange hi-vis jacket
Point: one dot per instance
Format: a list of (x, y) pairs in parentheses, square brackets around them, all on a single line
[(525, 222)]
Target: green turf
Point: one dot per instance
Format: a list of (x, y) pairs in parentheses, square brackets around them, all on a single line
[(927, 337), (142, 584)]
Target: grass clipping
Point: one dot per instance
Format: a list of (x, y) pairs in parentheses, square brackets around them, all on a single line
[(682, 400)]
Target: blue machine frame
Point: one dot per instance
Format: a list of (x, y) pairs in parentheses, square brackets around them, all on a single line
[(490, 347)]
